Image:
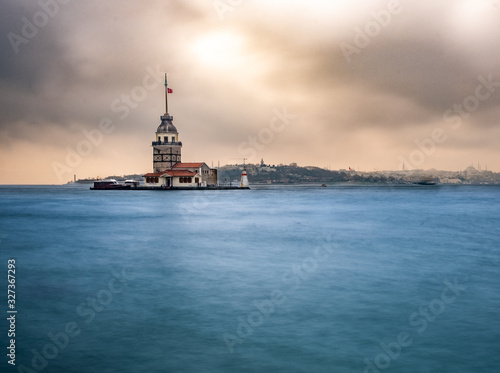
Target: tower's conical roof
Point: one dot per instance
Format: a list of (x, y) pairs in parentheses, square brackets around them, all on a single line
[(167, 124)]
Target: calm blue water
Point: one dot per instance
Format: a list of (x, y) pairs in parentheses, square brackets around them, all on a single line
[(283, 279)]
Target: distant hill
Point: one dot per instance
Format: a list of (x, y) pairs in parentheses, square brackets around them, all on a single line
[(293, 174), (288, 174)]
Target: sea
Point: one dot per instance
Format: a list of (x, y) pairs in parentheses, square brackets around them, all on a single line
[(343, 278)]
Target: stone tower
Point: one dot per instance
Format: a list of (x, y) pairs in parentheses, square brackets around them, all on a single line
[(166, 147)]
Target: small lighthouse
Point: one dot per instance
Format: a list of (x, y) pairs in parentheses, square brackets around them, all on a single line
[(244, 178)]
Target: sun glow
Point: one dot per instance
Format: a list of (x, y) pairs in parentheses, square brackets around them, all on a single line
[(221, 49), (474, 20)]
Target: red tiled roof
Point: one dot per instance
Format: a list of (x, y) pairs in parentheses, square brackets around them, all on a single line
[(180, 173), (154, 174), (171, 173), (188, 165)]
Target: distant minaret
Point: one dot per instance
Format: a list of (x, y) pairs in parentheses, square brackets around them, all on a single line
[(244, 178), (166, 147)]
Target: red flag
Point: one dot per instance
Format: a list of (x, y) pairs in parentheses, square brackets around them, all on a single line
[(169, 90)]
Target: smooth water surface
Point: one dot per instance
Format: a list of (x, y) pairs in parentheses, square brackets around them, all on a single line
[(276, 279)]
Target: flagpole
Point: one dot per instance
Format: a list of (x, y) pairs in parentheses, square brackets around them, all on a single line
[(166, 95)]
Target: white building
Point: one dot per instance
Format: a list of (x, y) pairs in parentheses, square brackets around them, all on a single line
[(174, 178)]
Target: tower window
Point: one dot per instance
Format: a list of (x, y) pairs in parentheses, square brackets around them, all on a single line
[(173, 138), (165, 138)]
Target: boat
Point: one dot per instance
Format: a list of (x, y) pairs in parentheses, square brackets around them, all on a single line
[(109, 184), (132, 183), (425, 181)]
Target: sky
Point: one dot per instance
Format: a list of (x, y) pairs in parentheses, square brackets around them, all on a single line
[(370, 85)]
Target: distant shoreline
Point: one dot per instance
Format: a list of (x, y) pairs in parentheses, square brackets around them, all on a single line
[(292, 174), (283, 185)]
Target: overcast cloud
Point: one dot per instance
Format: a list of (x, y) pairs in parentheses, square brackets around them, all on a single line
[(358, 101)]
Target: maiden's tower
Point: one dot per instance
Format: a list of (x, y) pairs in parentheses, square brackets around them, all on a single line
[(168, 170)]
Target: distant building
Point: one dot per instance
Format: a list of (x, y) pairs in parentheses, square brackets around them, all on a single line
[(208, 175), (448, 180), (471, 172), (174, 178), (168, 170)]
